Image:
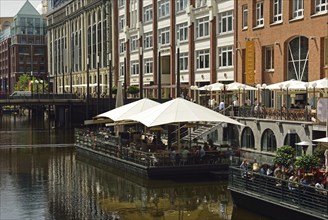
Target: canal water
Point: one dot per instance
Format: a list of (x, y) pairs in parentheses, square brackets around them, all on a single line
[(41, 177)]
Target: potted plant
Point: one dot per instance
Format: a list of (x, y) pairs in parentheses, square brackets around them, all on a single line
[(307, 162), (133, 90), (285, 156)]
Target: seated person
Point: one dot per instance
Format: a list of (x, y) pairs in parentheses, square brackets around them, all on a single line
[(185, 155)]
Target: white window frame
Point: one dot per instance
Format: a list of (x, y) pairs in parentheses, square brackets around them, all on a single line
[(202, 27), (121, 23), (122, 46), (201, 3), (277, 11), (134, 67), (164, 36), (226, 22), (226, 57), (121, 3), (183, 58), (298, 8), (148, 40), (203, 59), (259, 14), (134, 43), (163, 8), (320, 6), (269, 58), (181, 5), (148, 13), (182, 32), (121, 71), (245, 16), (148, 63)]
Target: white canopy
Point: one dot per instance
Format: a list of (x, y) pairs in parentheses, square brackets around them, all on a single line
[(212, 87), (305, 143), (290, 84), (324, 140), (126, 111), (235, 86), (319, 84), (180, 110)]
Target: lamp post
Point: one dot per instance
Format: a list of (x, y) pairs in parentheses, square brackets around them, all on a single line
[(287, 105), (306, 101), (110, 82), (88, 92), (263, 91), (98, 84), (125, 81), (314, 85), (141, 73), (281, 104), (159, 77), (178, 69)]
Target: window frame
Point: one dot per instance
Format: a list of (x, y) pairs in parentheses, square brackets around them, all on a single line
[(226, 18), (269, 66), (225, 53), (202, 26), (182, 28), (245, 16), (260, 14), (203, 59), (277, 11)]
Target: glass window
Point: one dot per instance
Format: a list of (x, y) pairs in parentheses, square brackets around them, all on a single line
[(148, 66), (226, 22), (201, 3), (277, 11), (121, 23), (181, 4), (122, 69), (183, 61), (164, 36), (163, 8), (320, 6), (203, 59), (245, 16), (148, 13), (269, 142), (247, 138), (269, 58), (134, 43), (202, 28), (225, 56), (182, 31), (298, 8), (298, 53), (148, 40), (121, 3), (134, 67), (259, 14), (122, 46)]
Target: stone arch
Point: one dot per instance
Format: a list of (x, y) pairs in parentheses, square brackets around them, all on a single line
[(247, 138), (291, 139)]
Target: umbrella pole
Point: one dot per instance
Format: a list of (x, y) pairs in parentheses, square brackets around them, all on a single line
[(179, 137)]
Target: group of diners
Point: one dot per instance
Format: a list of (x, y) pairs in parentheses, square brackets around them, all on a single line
[(294, 178)]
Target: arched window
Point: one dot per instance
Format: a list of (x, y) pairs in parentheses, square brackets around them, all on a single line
[(291, 139), (298, 53), (247, 138), (268, 142)]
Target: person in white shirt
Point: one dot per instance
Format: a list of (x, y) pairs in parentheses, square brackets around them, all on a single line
[(221, 105)]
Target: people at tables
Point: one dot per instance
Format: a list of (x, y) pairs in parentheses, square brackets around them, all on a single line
[(292, 181), (202, 153), (244, 166), (173, 156), (185, 155)]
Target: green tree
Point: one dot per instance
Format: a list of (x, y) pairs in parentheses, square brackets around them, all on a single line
[(286, 155), (23, 84), (307, 162), (133, 90)]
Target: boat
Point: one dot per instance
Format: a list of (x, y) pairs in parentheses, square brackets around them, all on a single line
[(262, 194), (152, 163)]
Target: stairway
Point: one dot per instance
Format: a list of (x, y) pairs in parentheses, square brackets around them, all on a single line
[(201, 131)]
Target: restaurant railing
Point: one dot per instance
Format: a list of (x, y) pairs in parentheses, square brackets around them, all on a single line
[(303, 197), (110, 145)]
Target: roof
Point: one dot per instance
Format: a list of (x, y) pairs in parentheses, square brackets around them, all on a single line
[(27, 9)]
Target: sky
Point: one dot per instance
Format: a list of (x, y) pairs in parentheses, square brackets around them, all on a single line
[(9, 8)]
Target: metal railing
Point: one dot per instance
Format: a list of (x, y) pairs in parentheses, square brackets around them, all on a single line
[(303, 197)]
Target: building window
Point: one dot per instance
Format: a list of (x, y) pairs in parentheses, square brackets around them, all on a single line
[(245, 17), (122, 46), (121, 3), (298, 8), (320, 6), (148, 40), (183, 61), (203, 59), (225, 56), (259, 14), (277, 11), (202, 28), (201, 3), (133, 14), (247, 138), (164, 36), (134, 43), (134, 67), (298, 53), (122, 69), (148, 13), (121, 23), (163, 8), (148, 66), (181, 5), (182, 31), (269, 142), (225, 22), (269, 58)]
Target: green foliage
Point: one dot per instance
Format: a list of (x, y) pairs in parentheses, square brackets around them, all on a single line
[(285, 156), (307, 162), (23, 81), (320, 153), (133, 90)]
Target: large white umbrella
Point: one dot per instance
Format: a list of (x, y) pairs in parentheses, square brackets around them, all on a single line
[(319, 84), (212, 87), (323, 140), (235, 86), (128, 110), (289, 84)]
